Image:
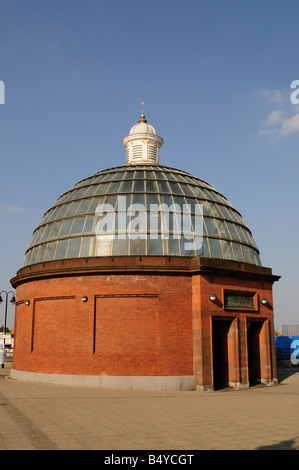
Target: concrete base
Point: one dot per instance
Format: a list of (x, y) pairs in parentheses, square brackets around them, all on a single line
[(238, 385), (154, 383)]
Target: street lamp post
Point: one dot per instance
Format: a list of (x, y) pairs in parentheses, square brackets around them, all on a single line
[(13, 300)]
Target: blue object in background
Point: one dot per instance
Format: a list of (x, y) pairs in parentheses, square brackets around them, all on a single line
[(283, 346)]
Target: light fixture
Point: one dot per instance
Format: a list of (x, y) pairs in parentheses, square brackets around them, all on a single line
[(84, 298), (13, 300), (27, 302), (1, 300), (212, 297), (264, 301)]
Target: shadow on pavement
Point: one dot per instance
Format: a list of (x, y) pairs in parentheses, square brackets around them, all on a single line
[(286, 369), (290, 444)]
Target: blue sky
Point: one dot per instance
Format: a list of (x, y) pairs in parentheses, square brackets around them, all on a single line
[(215, 77)]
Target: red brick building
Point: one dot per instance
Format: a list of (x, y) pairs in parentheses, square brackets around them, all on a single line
[(144, 277)]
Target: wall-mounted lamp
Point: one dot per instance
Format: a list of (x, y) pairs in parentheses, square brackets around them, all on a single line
[(264, 301), (84, 298), (27, 302), (212, 297)]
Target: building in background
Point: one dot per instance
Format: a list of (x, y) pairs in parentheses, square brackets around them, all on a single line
[(149, 278), (290, 330)]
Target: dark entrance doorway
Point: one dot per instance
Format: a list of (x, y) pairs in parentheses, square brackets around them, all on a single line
[(220, 329), (254, 353)]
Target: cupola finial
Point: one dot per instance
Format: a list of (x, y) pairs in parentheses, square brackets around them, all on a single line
[(142, 117)]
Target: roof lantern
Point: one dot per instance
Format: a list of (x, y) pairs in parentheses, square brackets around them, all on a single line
[(142, 143)]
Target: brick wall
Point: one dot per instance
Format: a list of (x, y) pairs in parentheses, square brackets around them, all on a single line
[(130, 325)]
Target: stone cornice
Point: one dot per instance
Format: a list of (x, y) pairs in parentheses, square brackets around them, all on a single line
[(150, 265)]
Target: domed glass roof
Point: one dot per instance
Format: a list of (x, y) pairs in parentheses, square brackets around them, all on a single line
[(70, 228)]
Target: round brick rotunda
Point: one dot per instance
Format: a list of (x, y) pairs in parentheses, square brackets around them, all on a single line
[(144, 277)]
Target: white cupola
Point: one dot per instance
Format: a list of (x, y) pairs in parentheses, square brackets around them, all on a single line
[(143, 143)]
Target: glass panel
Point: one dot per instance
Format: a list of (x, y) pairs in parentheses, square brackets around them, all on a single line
[(49, 256), (227, 250), (167, 200), (216, 210), (85, 247), (99, 178), (73, 248), (246, 254), (154, 247), (240, 233), (120, 247), (65, 229), (150, 175), (207, 195), (180, 201), (84, 205), (89, 223), (215, 248), (222, 229), (129, 175), (137, 247), (227, 213), (63, 210), (238, 252), (172, 246), (41, 253), (151, 186), (34, 253), (232, 231), (163, 187), (180, 178), (55, 229), (152, 200), (205, 251), (187, 190), (198, 192), (114, 187), (171, 177), (70, 195), (101, 189), (139, 174), (96, 202), (234, 216), (138, 199), (73, 208), (123, 202), (78, 225), (47, 232), (187, 246), (138, 186), (53, 213), (39, 236), (111, 201), (126, 187), (61, 249), (114, 176), (211, 226), (175, 188)]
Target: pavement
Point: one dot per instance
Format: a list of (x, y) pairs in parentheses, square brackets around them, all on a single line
[(37, 416)]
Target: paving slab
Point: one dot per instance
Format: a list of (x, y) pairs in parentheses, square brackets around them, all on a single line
[(38, 416)]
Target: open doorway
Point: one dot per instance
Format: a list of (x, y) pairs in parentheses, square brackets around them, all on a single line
[(220, 329), (253, 349)]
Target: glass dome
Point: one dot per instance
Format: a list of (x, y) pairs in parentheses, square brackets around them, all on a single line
[(69, 229)]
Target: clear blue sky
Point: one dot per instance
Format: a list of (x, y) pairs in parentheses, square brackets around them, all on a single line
[(215, 78)]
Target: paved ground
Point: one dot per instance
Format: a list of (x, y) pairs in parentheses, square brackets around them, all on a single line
[(40, 416)]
